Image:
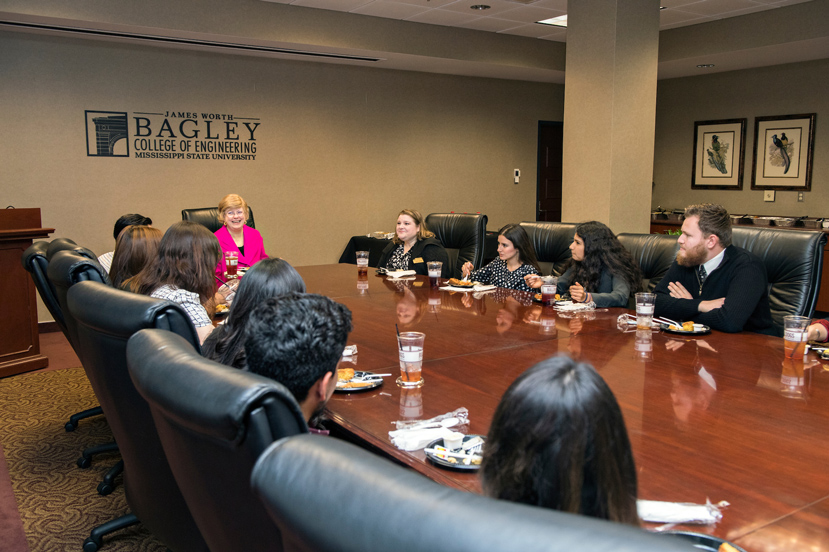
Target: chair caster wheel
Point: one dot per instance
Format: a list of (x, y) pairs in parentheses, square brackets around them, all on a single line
[(70, 426), (104, 488), (84, 462), (89, 545)]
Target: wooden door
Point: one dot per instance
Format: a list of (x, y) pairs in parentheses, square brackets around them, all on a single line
[(548, 194)]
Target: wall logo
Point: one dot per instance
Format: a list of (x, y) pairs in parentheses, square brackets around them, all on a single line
[(106, 134), (171, 135)]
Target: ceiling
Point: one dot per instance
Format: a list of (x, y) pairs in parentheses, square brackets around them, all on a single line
[(436, 36), (518, 17)]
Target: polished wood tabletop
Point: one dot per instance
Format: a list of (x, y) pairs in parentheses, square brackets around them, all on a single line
[(719, 417)]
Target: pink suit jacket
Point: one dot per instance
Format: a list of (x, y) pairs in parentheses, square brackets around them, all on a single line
[(254, 248)]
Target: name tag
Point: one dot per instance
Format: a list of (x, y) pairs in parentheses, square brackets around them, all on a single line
[(418, 260)]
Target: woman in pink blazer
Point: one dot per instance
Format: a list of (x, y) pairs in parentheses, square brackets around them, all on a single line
[(237, 236)]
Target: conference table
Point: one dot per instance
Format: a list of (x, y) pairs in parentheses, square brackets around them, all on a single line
[(718, 417)]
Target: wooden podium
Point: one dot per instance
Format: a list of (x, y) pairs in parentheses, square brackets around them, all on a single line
[(19, 338)]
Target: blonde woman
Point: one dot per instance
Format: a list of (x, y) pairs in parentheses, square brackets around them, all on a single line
[(413, 246), (237, 236)]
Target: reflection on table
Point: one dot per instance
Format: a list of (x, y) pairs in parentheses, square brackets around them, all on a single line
[(717, 417)]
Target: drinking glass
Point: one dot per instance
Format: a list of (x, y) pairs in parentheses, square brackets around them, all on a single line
[(362, 262), (231, 263), (410, 347), (434, 268), (794, 335), (548, 291), (644, 310)]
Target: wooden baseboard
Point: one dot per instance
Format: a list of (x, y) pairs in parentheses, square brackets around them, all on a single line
[(47, 327)]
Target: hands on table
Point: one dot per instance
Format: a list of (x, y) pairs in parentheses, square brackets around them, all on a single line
[(678, 291)]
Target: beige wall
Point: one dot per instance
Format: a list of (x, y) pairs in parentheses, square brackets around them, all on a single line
[(778, 90), (340, 149)]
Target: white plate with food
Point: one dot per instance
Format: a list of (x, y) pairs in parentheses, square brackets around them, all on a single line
[(687, 328), (468, 457), (350, 380)]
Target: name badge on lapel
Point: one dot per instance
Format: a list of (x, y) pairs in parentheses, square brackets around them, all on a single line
[(418, 260)]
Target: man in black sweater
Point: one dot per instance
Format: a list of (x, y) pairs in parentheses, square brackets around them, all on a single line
[(713, 282)]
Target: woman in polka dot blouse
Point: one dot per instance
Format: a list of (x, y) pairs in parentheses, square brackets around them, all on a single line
[(516, 259)]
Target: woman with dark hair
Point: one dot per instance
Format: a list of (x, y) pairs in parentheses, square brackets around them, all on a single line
[(600, 269), (267, 278), (516, 260), (413, 246), (136, 247), (558, 440), (183, 272)]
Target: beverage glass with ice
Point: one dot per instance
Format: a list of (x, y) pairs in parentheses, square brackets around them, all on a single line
[(231, 263), (410, 348), (434, 268), (548, 291), (362, 262), (644, 310), (794, 335)]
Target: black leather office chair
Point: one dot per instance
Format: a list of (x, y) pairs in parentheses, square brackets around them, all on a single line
[(36, 263), (105, 319), (209, 217), (551, 241), (655, 254), (36, 260), (213, 433), (69, 264), (794, 260), (462, 236), (329, 495)]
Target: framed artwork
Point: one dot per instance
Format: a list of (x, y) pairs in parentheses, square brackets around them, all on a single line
[(783, 147), (719, 155)]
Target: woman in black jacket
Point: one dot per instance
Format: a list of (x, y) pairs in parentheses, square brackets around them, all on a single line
[(413, 246)]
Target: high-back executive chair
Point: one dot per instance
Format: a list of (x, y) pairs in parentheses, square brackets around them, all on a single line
[(655, 254), (213, 433), (66, 264), (793, 260), (209, 217), (462, 236), (551, 241), (36, 261), (105, 320), (328, 495)]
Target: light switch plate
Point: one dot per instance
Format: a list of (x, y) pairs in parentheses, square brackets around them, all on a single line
[(768, 195)]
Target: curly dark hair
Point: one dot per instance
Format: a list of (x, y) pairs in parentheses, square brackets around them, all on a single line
[(295, 339), (603, 251), (558, 440)]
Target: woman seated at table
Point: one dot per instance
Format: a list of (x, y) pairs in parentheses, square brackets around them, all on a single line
[(413, 246), (600, 269), (516, 260), (136, 247), (183, 272), (558, 440), (236, 236), (268, 278)]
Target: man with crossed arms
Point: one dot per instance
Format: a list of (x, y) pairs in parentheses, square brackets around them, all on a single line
[(713, 282)]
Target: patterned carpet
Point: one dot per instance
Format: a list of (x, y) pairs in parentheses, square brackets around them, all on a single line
[(58, 502)]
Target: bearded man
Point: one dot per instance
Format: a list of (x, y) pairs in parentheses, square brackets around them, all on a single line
[(713, 282)]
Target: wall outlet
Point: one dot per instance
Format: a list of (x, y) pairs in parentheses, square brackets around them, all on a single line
[(800, 197), (768, 195), (516, 175)]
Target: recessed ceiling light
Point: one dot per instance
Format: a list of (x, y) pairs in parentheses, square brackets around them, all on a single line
[(560, 21), (479, 7), (705, 65)]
